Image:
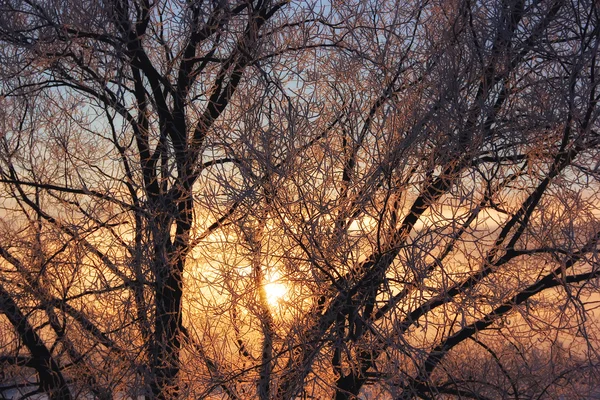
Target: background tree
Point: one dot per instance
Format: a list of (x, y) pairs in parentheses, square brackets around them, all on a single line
[(421, 177)]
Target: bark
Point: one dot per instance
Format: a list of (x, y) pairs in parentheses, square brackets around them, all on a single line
[(51, 380)]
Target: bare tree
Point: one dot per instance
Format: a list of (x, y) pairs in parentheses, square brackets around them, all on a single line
[(421, 177)]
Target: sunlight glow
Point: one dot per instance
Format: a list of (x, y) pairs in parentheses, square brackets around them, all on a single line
[(276, 292)]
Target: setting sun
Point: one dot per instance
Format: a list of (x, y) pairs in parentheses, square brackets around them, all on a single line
[(276, 291)]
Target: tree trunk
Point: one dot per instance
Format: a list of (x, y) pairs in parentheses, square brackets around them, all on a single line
[(167, 342), (51, 380)]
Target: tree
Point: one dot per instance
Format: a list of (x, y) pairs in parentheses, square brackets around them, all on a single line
[(422, 177)]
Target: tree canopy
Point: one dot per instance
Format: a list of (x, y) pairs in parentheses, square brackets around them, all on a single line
[(299, 199)]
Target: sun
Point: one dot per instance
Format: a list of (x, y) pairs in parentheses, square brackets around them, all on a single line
[(275, 290)]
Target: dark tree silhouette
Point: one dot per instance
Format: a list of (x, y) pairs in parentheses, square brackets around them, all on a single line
[(420, 177)]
